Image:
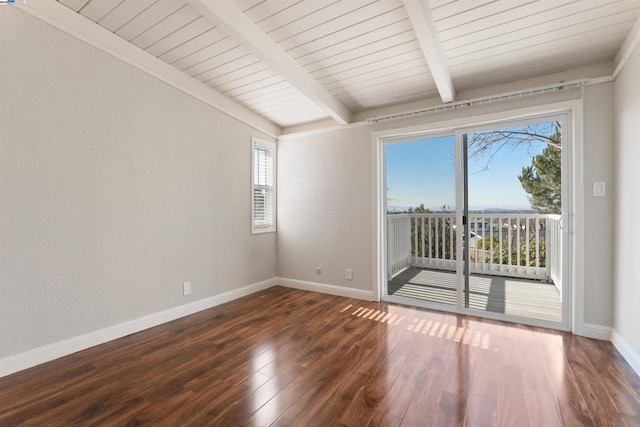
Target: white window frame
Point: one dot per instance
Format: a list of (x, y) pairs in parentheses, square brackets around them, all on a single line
[(260, 144), (573, 188)]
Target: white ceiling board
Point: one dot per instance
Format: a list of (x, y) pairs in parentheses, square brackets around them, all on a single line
[(235, 23), (255, 86), (148, 18), (194, 45), (268, 92), (296, 11), (167, 26), (235, 70), (97, 9), (385, 46), (393, 71), (454, 8), (538, 14), (417, 81), (76, 5), (203, 54), (123, 13), (391, 96), (284, 103), (247, 81), (352, 38), (373, 83), (181, 36), (420, 14), (337, 17), (277, 96), (221, 58), (533, 68), (555, 33), (533, 65), (544, 43), (245, 5), (268, 8), (356, 66), (504, 22), (489, 10)]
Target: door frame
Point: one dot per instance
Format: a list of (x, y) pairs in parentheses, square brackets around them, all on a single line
[(573, 255)]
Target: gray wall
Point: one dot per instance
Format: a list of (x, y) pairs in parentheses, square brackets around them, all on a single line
[(325, 208), (114, 189), (326, 200), (627, 198), (598, 211)]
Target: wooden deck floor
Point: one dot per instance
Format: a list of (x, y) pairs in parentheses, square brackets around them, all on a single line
[(287, 357), (516, 297)]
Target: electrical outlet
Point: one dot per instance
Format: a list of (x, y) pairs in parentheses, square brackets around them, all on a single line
[(348, 274), (318, 270), (186, 288)]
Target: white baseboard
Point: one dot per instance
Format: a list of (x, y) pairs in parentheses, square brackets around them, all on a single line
[(50, 352), (324, 288), (626, 350), (591, 330)]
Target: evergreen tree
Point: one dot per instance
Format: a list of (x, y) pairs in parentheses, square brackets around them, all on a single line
[(542, 181)]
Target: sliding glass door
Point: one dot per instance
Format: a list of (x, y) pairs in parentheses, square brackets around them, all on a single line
[(474, 220), (421, 219)]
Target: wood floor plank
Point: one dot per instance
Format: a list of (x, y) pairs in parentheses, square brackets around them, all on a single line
[(482, 408), (290, 357), (574, 410), (452, 405), (363, 405), (542, 409), (602, 407)]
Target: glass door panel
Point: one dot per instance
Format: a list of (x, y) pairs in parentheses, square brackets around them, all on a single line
[(421, 220), (512, 210)]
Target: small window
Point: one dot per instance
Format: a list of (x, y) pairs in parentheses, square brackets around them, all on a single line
[(263, 186)]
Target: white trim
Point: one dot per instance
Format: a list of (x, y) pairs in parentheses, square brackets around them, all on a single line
[(78, 26), (626, 350), (627, 48), (598, 332), (575, 254), (324, 288), (379, 269), (419, 12), (228, 17), (272, 148), (28, 359)]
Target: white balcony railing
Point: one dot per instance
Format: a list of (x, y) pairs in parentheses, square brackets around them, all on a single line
[(513, 245)]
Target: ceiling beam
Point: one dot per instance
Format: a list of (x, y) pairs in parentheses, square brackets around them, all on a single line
[(239, 26), (419, 12), (627, 48), (73, 23)]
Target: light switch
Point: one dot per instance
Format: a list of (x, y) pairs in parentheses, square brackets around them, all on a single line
[(599, 189)]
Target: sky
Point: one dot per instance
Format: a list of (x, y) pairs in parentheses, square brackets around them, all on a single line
[(423, 172)]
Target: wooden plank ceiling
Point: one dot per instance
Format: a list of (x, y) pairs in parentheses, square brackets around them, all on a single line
[(365, 52)]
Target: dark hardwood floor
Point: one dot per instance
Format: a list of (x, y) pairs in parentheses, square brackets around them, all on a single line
[(293, 358)]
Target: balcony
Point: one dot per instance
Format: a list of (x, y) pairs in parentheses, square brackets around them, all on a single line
[(514, 261)]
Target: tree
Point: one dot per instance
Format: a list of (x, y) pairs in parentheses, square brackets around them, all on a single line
[(486, 144), (541, 181)]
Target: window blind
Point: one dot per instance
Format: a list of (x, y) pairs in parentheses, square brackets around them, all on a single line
[(263, 191)]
